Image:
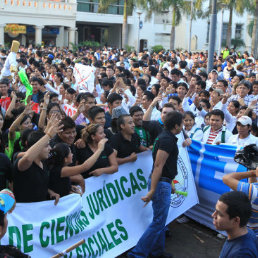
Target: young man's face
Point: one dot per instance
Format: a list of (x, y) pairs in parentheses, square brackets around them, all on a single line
[(221, 219), (215, 98), (174, 103), (255, 89), (68, 135), (115, 104), (221, 86), (128, 126), (90, 102), (216, 122), (243, 130), (100, 119), (137, 118), (3, 89), (242, 91), (145, 102), (165, 111)]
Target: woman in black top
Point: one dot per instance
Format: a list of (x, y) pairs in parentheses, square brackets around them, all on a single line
[(60, 173), (106, 163)]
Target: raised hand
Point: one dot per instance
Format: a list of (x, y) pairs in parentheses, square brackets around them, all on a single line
[(101, 144), (53, 126)]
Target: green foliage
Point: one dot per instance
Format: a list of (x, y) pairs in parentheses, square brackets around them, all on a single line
[(235, 43), (74, 46), (250, 28), (157, 48), (89, 43), (129, 48)]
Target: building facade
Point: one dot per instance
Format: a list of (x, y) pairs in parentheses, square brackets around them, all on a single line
[(67, 22)]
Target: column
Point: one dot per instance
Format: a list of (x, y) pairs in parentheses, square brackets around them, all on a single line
[(23, 39), (2, 26), (60, 42), (38, 35), (71, 37)]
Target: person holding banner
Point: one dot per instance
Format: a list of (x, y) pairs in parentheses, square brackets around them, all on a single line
[(165, 154), (30, 175), (60, 171), (216, 132), (106, 162)]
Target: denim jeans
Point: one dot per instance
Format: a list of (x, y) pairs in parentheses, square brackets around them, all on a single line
[(153, 239)]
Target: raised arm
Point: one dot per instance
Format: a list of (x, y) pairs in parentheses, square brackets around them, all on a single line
[(75, 170), (233, 179), (80, 109), (33, 152), (107, 170), (43, 113), (12, 105), (17, 122), (147, 115)]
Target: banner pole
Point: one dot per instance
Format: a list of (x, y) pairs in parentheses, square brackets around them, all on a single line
[(69, 249)]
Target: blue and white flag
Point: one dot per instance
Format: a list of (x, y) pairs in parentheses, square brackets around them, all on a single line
[(209, 164)]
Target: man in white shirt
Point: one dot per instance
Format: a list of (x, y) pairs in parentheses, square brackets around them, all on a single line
[(216, 97), (244, 137), (216, 133), (146, 102)]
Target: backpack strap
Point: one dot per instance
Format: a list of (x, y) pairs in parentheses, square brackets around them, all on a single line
[(196, 129), (223, 136), (206, 128)]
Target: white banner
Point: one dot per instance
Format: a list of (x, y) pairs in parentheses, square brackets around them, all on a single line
[(110, 216), (84, 76)]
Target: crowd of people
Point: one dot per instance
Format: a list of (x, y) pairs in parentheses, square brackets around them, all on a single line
[(47, 151)]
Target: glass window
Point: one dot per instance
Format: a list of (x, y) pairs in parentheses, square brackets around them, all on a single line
[(238, 31)]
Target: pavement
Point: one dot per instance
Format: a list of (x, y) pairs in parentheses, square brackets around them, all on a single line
[(192, 240)]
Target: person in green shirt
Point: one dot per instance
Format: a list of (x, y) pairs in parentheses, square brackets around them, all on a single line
[(225, 53), (21, 123), (136, 113)]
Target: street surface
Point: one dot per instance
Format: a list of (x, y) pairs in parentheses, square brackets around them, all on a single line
[(192, 240)]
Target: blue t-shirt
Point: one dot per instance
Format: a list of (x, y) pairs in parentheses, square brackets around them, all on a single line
[(251, 190), (245, 246)]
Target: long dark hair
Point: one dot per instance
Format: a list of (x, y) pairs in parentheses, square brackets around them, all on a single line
[(58, 154)]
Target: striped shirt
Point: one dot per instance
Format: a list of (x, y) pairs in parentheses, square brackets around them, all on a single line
[(251, 190), (212, 136)]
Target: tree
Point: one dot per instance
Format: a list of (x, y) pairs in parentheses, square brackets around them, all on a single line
[(239, 6), (128, 7), (255, 32), (178, 7)]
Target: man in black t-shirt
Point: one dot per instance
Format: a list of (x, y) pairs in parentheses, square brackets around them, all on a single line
[(126, 142), (165, 154)]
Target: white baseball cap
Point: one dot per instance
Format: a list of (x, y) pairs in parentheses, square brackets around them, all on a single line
[(245, 120)]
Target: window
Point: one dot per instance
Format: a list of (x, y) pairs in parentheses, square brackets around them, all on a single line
[(224, 32), (238, 31)]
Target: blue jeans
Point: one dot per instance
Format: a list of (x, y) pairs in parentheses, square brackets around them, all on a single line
[(153, 239)]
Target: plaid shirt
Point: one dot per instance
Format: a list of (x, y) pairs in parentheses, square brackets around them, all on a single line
[(247, 99)]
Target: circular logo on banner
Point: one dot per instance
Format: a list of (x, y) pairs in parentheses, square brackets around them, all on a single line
[(181, 184)]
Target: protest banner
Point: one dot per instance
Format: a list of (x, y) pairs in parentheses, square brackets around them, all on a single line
[(209, 164), (110, 216), (84, 76)]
